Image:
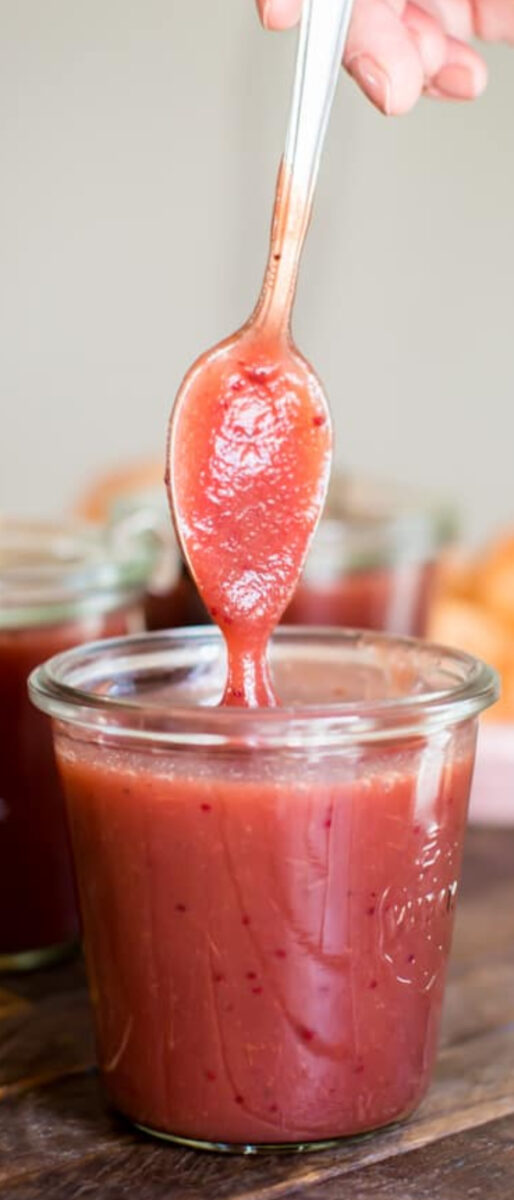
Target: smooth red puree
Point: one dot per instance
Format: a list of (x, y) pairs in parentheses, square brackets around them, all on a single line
[(251, 478), (37, 893), (266, 959)]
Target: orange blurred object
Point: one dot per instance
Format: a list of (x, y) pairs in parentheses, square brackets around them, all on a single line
[(496, 584), (98, 500), (474, 610), (457, 575)]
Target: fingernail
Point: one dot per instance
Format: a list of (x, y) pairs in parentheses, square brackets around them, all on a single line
[(372, 79), (457, 83)]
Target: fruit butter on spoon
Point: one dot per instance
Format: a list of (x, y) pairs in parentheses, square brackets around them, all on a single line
[(250, 439)]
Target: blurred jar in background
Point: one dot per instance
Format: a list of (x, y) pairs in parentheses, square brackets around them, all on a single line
[(171, 598), (133, 501), (60, 585), (373, 561)]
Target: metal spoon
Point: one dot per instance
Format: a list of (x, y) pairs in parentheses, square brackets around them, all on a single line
[(250, 438)]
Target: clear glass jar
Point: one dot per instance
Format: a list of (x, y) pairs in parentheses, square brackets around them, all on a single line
[(171, 599), (59, 585), (373, 561), (267, 895)]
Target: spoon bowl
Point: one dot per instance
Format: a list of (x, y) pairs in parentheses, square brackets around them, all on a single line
[(248, 466)]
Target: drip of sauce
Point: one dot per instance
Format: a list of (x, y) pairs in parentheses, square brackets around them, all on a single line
[(248, 462)]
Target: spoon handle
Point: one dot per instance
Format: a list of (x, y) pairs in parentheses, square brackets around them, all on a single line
[(323, 31)]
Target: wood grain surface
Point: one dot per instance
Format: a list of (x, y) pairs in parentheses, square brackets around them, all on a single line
[(59, 1141)]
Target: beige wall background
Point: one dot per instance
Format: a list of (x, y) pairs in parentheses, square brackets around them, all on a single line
[(139, 141)]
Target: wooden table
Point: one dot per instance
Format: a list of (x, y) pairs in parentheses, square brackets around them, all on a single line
[(58, 1141)]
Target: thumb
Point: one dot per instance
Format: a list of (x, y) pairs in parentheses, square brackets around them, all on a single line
[(279, 14)]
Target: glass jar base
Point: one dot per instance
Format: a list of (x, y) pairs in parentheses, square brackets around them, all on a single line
[(241, 1147), (37, 960)]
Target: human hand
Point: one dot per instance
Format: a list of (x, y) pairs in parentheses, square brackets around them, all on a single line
[(397, 51)]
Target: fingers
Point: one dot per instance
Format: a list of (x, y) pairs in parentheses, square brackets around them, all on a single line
[(463, 77), (454, 16), (397, 50), (381, 54), (396, 55), (383, 58), (279, 14), (428, 38), (494, 20)]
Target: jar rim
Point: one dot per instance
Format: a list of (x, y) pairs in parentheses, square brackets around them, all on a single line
[(64, 687), (55, 570)]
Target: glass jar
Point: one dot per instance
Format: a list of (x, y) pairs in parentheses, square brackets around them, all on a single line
[(267, 895), (59, 585), (171, 598), (373, 561)]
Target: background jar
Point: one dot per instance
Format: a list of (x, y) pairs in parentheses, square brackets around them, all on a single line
[(267, 895), (374, 558), (171, 598), (59, 585)]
